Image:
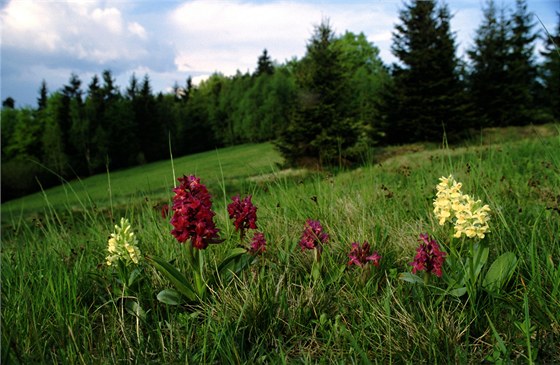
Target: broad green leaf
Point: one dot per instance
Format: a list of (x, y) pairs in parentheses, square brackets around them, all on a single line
[(175, 277), (480, 258), (500, 272), (135, 309), (233, 254), (133, 276), (411, 278), (169, 296), (316, 270)]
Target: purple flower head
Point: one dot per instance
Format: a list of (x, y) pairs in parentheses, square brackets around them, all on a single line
[(313, 236), (258, 245), (192, 213), (243, 213), (360, 255), (428, 258)]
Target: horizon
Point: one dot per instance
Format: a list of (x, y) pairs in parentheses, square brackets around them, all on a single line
[(175, 40)]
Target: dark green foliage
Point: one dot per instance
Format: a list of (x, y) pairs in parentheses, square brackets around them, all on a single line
[(264, 64), (43, 96), (522, 67), (9, 103), (314, 133), (489, 57), (503, 80), (427, 95), (551, 72), (337, 81)]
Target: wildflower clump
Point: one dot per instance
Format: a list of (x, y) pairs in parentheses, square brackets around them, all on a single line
[(243, 213), (123, 245), (193, 217), (313, 236), (429, 257), (469, 216), (361, 255)]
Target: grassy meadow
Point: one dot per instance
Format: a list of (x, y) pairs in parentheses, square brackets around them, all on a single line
[(61, 303)]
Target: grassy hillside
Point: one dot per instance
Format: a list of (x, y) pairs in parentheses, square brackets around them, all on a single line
[(153, 181), (62, 303)]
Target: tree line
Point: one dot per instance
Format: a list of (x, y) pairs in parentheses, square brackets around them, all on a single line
[(327, 108)]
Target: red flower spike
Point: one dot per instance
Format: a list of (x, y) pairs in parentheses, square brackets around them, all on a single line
[(313, 236), (258, 245), (360, 255), (244, 214), (429, 257), (192, 213)]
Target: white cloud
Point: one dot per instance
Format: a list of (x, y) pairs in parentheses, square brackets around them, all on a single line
[(137, 29), (83, 30), (228, 36)]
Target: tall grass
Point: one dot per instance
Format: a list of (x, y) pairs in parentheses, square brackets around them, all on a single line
[(60, 305)]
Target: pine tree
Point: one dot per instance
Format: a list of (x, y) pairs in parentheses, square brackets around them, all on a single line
[(426, 96), (551, 72), (264, 64), (9, 103), (319, 133), (489, 79), (522, 70), (43, 96)]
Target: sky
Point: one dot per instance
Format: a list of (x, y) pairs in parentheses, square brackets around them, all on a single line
[(171, 40)]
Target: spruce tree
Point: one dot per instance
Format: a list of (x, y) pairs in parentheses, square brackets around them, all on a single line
[(319, 133), (427, 95), (264, 64), (551, 72), (43, 96), (522, 70), (489, 79)]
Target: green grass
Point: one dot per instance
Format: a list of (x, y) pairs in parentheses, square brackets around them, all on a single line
[(61, 305), (153, 181)]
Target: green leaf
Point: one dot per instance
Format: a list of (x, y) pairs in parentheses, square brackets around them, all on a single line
[(411, 278), (170, 297), (480, 258), (133, 276), (233, 255), (135, 309), (316, 270), (175, 277), (500, 272)]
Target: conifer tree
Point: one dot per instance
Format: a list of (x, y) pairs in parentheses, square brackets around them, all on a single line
[(264, 64), (522, 70), (551, 72), (319, 133), (43, 96), (427, 95), (489, 79)]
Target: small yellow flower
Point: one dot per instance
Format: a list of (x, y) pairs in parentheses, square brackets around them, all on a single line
[(123, 245), (468, 216)]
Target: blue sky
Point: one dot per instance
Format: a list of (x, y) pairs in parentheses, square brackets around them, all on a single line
[(171, 40)]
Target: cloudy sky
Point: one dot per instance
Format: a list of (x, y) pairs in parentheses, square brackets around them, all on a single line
[(171, 40)]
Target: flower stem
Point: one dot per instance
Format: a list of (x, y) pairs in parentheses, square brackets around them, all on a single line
[(426, 278)]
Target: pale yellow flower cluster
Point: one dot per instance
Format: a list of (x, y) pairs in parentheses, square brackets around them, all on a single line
[(123, 245), (470, 217)]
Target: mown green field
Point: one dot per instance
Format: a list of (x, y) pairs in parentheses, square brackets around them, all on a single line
[(61, 303)]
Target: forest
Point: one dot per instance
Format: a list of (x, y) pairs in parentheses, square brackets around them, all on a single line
[(329, 108)]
